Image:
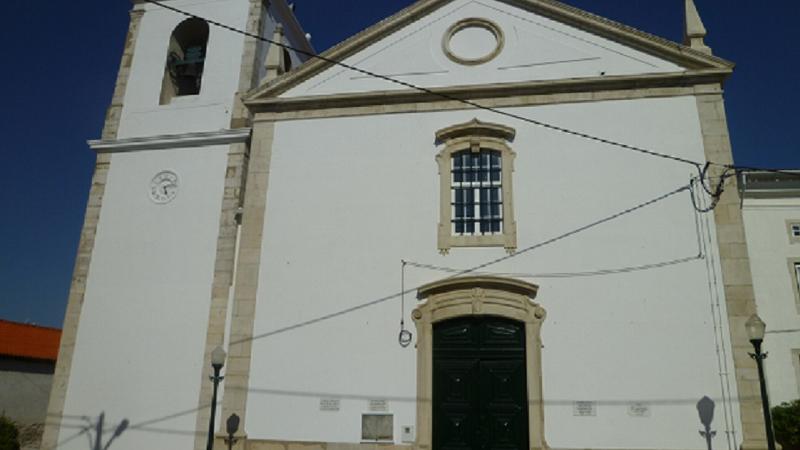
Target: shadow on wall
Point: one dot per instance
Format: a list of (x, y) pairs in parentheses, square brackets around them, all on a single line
[(705, 408), (96, 432)]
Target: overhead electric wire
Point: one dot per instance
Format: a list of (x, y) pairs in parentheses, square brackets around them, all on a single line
[(464, 101), (590, 273), (717, 319), (464, 272), (430, 91)]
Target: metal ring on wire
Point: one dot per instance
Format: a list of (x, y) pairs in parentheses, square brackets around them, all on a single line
[(404, 338)]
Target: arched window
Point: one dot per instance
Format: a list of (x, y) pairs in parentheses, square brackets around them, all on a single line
[(186, 57), (287, 61), (475, 169)]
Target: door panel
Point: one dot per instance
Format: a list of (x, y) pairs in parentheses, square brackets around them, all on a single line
[(455, 383), (479, 385), (503, 401)]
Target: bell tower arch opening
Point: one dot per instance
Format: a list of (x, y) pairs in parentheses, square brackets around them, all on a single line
[(183, 73)]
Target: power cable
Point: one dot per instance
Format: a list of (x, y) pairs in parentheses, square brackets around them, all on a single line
[(717, 320), (575, 231), (792, 330), (473, 104), (405, 336), (599, 272), (464, 272), (592, 273), (430, 91)]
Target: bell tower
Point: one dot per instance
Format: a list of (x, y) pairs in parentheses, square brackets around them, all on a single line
[(156, 256)]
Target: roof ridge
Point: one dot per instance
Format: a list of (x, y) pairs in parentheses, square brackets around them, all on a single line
[(30, 325)]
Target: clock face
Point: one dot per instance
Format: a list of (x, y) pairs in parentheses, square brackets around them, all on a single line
[(164, 187)]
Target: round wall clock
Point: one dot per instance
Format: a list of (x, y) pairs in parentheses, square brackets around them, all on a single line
[(164, 187)]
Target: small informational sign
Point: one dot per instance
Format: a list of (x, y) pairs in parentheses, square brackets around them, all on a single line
[(584, 409), (639, 409), (329, 404), (378, 405)]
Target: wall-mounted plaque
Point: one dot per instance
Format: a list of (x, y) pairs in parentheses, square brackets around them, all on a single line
[(584, 409), (329, 404), (639, 409), (378, 405)]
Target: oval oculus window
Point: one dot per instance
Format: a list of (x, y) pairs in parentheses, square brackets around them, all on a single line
[(473, 41)]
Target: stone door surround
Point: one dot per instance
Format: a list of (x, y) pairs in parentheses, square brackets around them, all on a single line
[(478, 296)]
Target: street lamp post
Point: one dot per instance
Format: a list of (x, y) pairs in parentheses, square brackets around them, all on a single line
[(755, 331), (217, 361)]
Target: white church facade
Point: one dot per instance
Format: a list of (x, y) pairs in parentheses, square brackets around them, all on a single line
[(487, 236)]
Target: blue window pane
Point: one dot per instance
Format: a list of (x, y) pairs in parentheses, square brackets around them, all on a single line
[(496, 160), (477, 209), (457, 162), (459, 203)]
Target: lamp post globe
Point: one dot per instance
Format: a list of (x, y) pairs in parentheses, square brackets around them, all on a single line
[(217, 361), (755, 328), (218, 357)]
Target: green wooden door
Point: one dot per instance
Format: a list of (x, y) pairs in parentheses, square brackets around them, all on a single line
[(479, 384)]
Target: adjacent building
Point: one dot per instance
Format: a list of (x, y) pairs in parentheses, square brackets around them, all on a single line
[(771, 210), (27, 362)]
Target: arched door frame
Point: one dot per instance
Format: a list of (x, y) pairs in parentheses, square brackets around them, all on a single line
[(478, 296)]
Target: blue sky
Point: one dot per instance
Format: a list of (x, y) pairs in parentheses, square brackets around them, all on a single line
[(60, 62)]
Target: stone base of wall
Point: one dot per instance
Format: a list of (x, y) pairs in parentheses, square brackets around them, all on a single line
[(288, 445), (30, 436)]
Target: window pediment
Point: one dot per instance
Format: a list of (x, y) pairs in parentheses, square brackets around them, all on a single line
[(475, 128)]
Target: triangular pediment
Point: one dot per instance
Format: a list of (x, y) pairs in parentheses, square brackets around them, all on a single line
[(443, 43)]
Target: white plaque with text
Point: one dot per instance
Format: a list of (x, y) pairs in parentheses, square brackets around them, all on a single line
[(329, 404), (584, 409), (639, 409), (378, 405)]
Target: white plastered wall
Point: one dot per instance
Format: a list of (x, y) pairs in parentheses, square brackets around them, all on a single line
[(141, 338), (771, 248), (142, 331), (536, 48), (348, 198)]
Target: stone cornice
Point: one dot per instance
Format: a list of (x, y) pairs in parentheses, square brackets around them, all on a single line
[(671, 51), (170, 141), (491, 91)]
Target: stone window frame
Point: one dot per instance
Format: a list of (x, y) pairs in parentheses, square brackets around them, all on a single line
[(792, 238), (793, 262), (474, 136), (479, 296), (796, 364)]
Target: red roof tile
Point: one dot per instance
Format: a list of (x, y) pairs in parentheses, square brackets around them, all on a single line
[(28, 341)]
